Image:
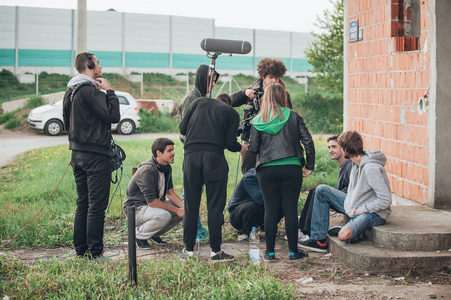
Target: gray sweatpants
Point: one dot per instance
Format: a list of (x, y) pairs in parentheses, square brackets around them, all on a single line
[(152, 221)]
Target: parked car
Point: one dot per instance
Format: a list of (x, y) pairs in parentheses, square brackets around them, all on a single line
[(49, 118)]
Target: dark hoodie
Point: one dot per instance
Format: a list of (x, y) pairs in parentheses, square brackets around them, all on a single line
[(200, 89)]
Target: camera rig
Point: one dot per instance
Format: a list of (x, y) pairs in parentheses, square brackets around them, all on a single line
[(251, 109)]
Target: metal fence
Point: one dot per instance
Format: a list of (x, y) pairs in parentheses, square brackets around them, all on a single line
[(139, 85)]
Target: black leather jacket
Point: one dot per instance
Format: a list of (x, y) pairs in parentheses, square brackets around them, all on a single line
[(285, 143)]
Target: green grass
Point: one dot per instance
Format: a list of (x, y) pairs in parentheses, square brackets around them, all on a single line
[(26, 184), (322, 113), (167, 278)]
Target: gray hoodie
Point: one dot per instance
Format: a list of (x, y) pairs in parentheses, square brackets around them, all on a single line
[(369, 187), (79, 79)]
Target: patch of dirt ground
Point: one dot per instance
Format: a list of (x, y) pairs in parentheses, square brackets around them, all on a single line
[(320, 276)]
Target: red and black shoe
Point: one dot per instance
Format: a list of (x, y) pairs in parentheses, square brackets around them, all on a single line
[(316, 246)]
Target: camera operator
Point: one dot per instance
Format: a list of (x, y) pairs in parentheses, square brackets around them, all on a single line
[(88, 114), (270, 70)]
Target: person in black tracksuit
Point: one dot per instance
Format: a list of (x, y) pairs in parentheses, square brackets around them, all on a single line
[(210, 126), (88, 114), (270, 70)]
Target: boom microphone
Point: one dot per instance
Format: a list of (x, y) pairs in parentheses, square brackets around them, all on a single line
[(225, 46)]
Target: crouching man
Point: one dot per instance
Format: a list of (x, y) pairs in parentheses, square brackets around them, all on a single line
[(367, 202), (147, 191), (246, 205)]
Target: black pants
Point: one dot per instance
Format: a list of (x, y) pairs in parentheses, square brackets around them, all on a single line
[(211, 169), (281, 186), (92, 172), (306, 215), (247, 215)]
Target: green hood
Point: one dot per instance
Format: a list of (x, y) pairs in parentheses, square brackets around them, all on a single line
[(274, 125)]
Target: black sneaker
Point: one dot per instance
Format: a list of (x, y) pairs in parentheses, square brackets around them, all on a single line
[(300, 254), (142, 244), (157, 240), (333, 231), (315, 246), (269, 256), (221, 256)]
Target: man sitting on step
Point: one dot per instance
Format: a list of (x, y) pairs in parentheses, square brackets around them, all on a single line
[(367, 202), (345, 165)]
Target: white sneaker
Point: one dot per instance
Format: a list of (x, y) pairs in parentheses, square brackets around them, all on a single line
[(186, 254), (304, 238), (300, 234), (242, 237)]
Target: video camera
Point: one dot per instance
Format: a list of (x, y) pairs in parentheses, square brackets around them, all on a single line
[(251, 109)]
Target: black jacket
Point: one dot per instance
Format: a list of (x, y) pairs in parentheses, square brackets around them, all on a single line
[(210, 125), (88, 118), (285, 143)]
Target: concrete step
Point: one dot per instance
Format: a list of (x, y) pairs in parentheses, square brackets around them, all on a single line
[(414, 228), (413, 238), (366, 256)]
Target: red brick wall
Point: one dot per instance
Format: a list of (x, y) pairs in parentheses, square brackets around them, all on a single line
[(383, 89)]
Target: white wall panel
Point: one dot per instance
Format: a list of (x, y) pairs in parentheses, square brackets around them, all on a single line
[(7, 27), (104, 31), (45, 28), (146, 33), (272, 43), (189, 32), (300, 43)]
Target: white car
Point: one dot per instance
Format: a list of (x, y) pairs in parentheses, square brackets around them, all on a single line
[(49, 118)]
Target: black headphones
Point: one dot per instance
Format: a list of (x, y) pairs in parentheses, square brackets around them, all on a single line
[(166, 169), (91, 64)]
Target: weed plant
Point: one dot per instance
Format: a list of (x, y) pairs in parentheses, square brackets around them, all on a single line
[(155, 121), (6, 117), (34, 101), (27, 183), (167, 278), (12, 123)]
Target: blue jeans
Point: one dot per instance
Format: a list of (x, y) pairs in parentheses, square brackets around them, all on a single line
[(363, 222), (327, 197)]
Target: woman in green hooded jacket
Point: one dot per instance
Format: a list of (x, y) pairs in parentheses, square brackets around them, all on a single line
[(276, 136)]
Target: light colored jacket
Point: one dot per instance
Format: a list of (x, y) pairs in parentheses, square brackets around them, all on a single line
[(369, 187)]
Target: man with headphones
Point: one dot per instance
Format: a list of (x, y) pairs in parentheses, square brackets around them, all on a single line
[(88, 114), (158, 207)]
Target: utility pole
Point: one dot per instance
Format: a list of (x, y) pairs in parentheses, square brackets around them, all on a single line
[(82, 31)]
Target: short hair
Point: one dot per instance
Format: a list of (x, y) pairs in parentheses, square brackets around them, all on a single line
[(351, 142), (271, 66), (81, 61), (332, 138), (160, 144), (224, 97)]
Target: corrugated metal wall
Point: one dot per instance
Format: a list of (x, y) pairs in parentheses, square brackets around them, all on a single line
[(43, 39)]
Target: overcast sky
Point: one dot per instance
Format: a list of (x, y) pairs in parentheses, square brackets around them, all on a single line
[(287, 15)]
